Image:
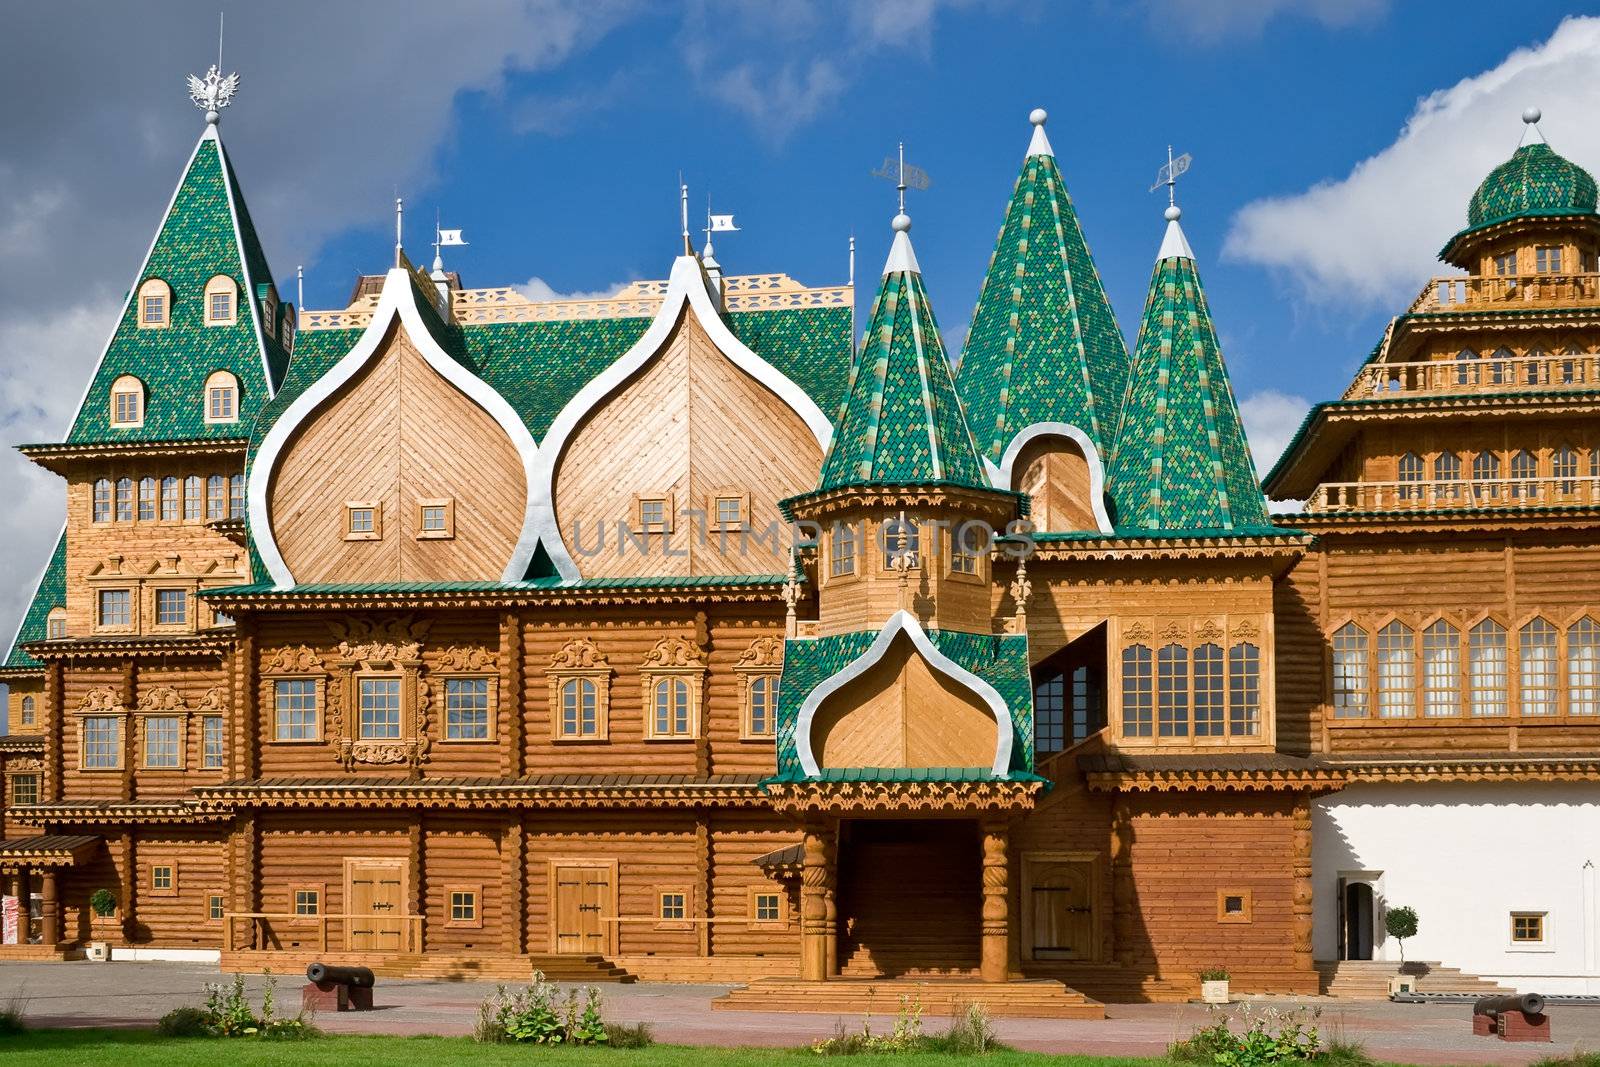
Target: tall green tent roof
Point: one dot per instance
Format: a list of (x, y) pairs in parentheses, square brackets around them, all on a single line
[(1181, 461), (1044, 345), (1534, 181), (205, 232), (51, 592), (901, 420)]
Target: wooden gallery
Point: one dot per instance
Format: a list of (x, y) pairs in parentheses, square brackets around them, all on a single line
[(466, 633)]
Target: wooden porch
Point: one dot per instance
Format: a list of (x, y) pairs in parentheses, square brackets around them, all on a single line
[(1036, 998)]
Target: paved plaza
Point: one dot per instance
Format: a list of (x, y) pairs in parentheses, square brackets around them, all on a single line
[(137, 994)]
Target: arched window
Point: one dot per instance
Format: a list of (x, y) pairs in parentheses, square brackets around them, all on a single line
[(127, 402), (1208, 707), (1244, 690), (236, 496), (171, 499), (900, 537), (1138, 694), (155, 305), (28, 712), (763, 705), (221, 301), (1564, 468), (1397, 672), (671, 708), (1465, 368), (102, 500), (1486, 468), (194, 498), (578, 708), (1410, 471), (1536, 655), (1583, 667), (1441, 670), (1500, 371), (147, 499), (55, 626), (222, 397), (1486, 668), (1524, 469), (1172, 691), (124, 499), (1447, 472), (1349, 672), (216, 497)]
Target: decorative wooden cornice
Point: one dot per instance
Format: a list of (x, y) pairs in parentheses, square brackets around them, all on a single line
[(1324, 780), (997, 504), (46, 850), (764, 653), (534, 791), (673, 651), (954, 798), (763, 589), (296, 659), (17, 674), (10, 743), (579, 654), (116, 648), (123, 813), (59, 457), (1281, 549), (460, 659), (1515, 767)]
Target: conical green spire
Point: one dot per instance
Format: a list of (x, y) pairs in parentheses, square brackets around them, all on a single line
[(206, 232), (1181, 462), (901, 422), (1044, 345)]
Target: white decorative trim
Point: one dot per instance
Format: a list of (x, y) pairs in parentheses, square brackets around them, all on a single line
[(396, 300), (901, 255), (37, 582), (1040, 145), (1174, 245), (686, 285), (903, 622), (1001, 475)]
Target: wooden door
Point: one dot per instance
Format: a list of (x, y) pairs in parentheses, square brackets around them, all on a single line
[(375, 901), (1062, 910), (581, 906)]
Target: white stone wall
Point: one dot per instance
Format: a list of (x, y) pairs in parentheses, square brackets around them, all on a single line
[(1466, 856)]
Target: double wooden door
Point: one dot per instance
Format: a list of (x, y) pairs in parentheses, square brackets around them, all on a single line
[(375, 901), (581, 907), (1061, 910)]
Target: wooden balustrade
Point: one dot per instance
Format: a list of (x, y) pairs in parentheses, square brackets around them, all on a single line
[(1487, 292), (410, 928), (1485, 374), (1422, 496)]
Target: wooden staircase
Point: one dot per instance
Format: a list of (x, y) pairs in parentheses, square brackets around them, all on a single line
[(1369, 979), (1037, 998), (508, 969)]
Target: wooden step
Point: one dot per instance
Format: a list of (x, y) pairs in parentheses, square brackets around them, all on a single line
[(509, 969), (1369, 979), (1025, 998)]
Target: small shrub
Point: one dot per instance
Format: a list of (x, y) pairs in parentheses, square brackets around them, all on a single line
[(185, 1022), (1252, 1038), (1214, 974), (229, 1010), (1400, 923), (905, 1037), (1577, 1059), (630, 1035), (971, 1033), (296, 1029), (533, 1016), (103, 902)]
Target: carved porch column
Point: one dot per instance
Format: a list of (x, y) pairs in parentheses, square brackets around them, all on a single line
[(1301, 869), (1120, 934), (129, 876), (995, 953), (818, 934), (50, 907)]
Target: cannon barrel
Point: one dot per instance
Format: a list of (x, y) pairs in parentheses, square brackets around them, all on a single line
[(360, 977), (1527, 1003)]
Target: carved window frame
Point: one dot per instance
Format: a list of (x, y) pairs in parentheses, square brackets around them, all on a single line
[(381, 648), (297, 663), (150, 594), (668, 511), (154, 288), (15, 771), (466, 663), (578, 660), (103, 703), (673, 658), (762, 660)]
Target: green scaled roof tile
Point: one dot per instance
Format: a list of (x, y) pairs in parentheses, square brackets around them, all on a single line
[(901, 420), (51, 592), (206, 231), (1534, 181), (1181, 461), (1044, 345)]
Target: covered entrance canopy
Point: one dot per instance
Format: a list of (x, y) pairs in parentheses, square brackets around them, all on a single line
[(44, 855)]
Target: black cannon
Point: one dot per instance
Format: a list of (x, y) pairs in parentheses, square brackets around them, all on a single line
[(1527, 1003), (333, 988)]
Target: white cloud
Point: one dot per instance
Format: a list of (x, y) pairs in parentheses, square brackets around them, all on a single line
[(1270, 420), (1214, 21), (541, 291), (1371, 238)]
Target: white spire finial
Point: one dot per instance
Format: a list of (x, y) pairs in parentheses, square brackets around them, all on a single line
[(1531, 134), (399, 230), (1532, 115), (1040, 145), (683, 208), (300, 288)]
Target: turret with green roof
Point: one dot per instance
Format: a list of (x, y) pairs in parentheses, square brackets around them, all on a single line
[(1181, 464), (1044, 345)]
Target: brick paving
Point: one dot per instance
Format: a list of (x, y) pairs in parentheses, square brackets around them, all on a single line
[(136, 994)]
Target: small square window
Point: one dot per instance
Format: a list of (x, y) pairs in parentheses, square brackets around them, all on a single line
[(172, 607), (363, 521), (463, 906), (114, 608), (1527, 927), (436, 519), (674, 906), (214, 906), (653, 516), (727, 513), (220, 307), (162, 878), (767, 908), (307, 901), (1233, 906)]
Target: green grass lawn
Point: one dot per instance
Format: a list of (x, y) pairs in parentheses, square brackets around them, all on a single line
[(90, 1048)]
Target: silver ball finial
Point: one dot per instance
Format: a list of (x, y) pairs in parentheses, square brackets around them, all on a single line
[(1038, 116), (901, 223), (212, 117), (1173, 213), (1531, 115)]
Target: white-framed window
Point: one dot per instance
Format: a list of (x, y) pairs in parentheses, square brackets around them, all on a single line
[(55, 626), (211, 742), (436, 519), (761, 719), (172, 607), (171, 499), (1138, 692), (843, 556), (379, 709), (102, 742), (579, 713), (163, 742), (222, 299), (1441, 670), (1349, 672), (1397, 671), (466, 709), (1486, 668), (155, 305), (101, 508), (236, 496), (295, 709), (127, 402), (222, 397), (114, 608)]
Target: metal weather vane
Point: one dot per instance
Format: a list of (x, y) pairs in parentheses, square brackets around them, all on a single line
[(904, 175), (1170, 172), (215, 91)]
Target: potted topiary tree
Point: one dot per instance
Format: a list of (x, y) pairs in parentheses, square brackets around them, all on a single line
[(1214, 985), (1401, 923), (103, 918)]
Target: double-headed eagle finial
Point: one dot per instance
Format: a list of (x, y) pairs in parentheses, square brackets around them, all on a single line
[(213, 92)]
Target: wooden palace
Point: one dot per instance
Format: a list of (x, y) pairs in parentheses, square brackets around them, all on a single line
[(674, 635)]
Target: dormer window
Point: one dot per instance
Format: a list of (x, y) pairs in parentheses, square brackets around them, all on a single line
[(127, 402), (56, 624), (154, 306), (222, 398), (221, 301)]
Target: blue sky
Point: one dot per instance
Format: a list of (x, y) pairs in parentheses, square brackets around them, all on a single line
[(1335, 142)]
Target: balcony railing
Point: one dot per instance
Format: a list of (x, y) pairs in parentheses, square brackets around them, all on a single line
[(1490, 292), (1485, 374), (1332, 498)]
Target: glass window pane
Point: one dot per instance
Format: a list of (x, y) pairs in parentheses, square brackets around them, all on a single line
[(1138, 703), (1396, 672), (1441, 670), (1486, 668), (1172, 691), (1536, 653), (466, 708), (1349, 672), (1583, 667), (379, 709), (296, 707), (1208, 711), (1244, 690)]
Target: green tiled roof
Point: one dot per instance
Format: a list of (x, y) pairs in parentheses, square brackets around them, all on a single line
[(1044, 345), (705, 581), (1181, 461), (197, 240), (909, 774), (999, 659), (901, 421), (51, 592), (1534, 181)]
